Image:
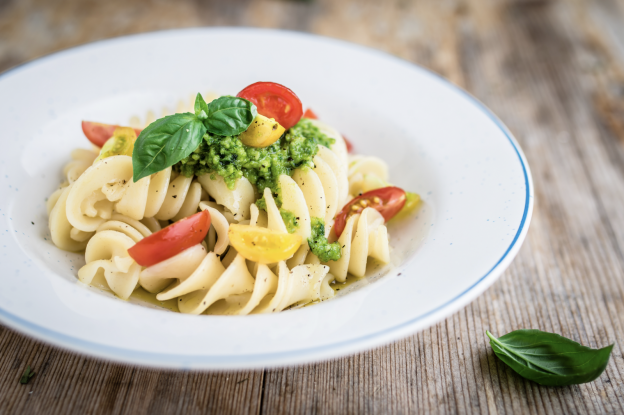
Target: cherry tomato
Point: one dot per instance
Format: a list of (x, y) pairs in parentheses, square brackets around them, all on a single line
[(387, 200), (99, 133), (262, 245), (262, 132), (274, 101), (310, 114), (412, 201), (171, 240), (121, 143), (349, 145)]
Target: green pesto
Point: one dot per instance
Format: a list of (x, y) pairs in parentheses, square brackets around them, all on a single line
[(290, 220), (229, 158), (319, 244), (261, 203)]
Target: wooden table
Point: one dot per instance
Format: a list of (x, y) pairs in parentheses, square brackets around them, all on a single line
[(552, 70)]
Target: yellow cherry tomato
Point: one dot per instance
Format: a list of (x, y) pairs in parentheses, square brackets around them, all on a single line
[(262, 132), (120, 144), (412, 201), (262, 245)]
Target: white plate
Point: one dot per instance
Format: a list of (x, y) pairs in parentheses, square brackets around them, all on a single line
[(438, 140)]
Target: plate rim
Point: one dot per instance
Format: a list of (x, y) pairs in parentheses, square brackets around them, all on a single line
[(303, 355)]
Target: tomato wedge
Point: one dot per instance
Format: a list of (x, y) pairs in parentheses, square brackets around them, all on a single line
[(262, 245), (349, 145), (387, 200), (310, 114), (171, 240), (274, 101), (99, 133), (412, 201)]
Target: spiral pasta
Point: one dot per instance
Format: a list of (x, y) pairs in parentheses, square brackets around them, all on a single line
[(209, 280), (108, 250), (107, 186), (100, 209), (366, 173), (364, 235), (81, 160), (63, 233)]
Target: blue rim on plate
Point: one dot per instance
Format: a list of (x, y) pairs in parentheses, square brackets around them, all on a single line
[(311, 354)]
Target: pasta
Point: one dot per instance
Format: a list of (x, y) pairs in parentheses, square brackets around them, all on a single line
[(108, 250), (201, 286), (364, 235), (185, 210)]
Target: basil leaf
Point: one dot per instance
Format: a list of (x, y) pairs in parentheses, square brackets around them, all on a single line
[(549, 359), (201, 108), (230, 115), (165, 142), (27, 375)]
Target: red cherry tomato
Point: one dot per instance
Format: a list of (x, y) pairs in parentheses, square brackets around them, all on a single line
[(387, 200), (171, 240), (99, 133), (310, 114), (274, 101), (349, 145)]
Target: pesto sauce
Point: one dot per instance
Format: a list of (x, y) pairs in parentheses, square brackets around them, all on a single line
[(319, 244), (229, 158), (290, 220)]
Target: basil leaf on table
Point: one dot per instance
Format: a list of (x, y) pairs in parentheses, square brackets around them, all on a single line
[(201, 108), (549, 359), (165, 142), (28, 374), (230, 115)]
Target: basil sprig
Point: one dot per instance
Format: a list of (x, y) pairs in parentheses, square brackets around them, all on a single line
[(28, 374), (168, 140), (549, 359), (229, 115), (165, 142)]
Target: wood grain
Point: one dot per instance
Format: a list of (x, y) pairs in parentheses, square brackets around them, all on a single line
[(554, 73)]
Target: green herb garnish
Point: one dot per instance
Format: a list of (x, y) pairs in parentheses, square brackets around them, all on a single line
[(549, 359), (168, 140), (28, 374), (290, 220), (229, 115), (319, 244), (229, 158)]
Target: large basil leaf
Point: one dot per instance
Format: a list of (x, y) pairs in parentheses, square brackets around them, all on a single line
[(229, 115), (165, 142), (549, 359)]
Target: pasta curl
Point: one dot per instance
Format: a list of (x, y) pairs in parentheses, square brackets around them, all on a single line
[(364, 235), (201, 287), (108, 250), (107, 187)]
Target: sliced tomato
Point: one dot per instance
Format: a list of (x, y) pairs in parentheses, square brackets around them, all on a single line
[(387, 200), (310, 114), (171, 240), (412, 201), (274, 101), (262, 245), (120, 144), (99, 133), (349, 145)]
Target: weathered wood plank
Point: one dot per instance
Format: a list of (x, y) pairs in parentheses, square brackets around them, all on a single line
[(67, 383), (552, 70)]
